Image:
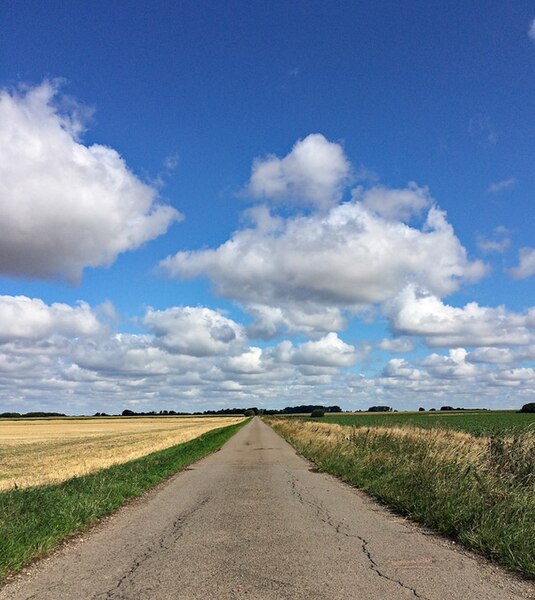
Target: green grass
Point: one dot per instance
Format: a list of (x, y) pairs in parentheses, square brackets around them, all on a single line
[(477, 422), (35, 520), (480, 492)]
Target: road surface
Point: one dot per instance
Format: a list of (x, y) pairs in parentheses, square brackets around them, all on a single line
[(255, 521)]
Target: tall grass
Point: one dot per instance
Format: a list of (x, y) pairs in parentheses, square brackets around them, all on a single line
[(35, 520), (478, 490)]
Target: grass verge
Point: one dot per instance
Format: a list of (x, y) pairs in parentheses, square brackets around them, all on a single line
[(479, 491), (35, 520)]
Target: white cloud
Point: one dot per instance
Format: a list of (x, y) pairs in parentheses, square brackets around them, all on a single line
[(314, 172), (526, 264), (531, 31), (23, 318), (329, 351), (499, 242), (249, 362), (499, 186), (398, 367), (422, 314), (305, 317), (396, 204), (64, 205), (520, 374), (491, 355), (194, 331), (302, 271)]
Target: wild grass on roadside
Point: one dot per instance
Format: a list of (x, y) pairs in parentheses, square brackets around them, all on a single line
[(478, 490), (35, 520)]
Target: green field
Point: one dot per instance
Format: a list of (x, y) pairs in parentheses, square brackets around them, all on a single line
[(474, 422)]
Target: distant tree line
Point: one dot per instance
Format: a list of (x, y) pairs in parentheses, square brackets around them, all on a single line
[(249, 411), (301, 409), (16, 415)]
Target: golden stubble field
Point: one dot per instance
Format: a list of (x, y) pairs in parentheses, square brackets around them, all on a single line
[(43, 451)]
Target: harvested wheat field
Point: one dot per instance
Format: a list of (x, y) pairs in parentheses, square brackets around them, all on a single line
[(40, 452)]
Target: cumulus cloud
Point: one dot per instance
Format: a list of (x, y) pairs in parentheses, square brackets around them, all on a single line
[(398, 367), (64, 205), (396, 204), (315, 172), (526, 264), (195, 331), (491, 355), (422, 314), (23, 318), (329, 351), (304, 270)]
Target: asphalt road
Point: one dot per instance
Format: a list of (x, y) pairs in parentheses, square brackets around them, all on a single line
[(255, 521)]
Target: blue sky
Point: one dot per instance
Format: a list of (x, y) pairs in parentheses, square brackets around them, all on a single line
[(250, 203)]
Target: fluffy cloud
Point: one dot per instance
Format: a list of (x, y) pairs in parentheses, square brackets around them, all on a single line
[(396, 204), (314, 172), (526, 265), (398, 367), (23, 318), (491, 355), (194, 331), (452, 366), (64, 205), (422, 314), (329, 351), (304, 270)]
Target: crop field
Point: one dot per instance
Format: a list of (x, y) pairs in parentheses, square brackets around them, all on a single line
[(479, 423), (442, 471), (39, 452)]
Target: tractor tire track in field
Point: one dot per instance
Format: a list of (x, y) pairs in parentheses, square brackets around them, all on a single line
[(254, 520)]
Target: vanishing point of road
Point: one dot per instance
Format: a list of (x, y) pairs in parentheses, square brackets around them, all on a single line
[(255, 520)]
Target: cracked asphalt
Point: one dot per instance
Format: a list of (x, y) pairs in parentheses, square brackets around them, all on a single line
[(255, 520)]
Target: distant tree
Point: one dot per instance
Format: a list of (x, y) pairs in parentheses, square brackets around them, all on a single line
[(432, 409), (380, 409), (249, 412), (44, 414), (317, 412), (447, 408), (128, 413), (421, 409), (528, 408)]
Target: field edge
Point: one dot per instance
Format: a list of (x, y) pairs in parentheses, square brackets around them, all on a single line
[(63, 510)]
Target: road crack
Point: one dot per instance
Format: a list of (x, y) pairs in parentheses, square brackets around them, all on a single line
[(340, 528), (165, 542)]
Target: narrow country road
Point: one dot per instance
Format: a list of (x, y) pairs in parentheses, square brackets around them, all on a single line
[(255, 521)]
